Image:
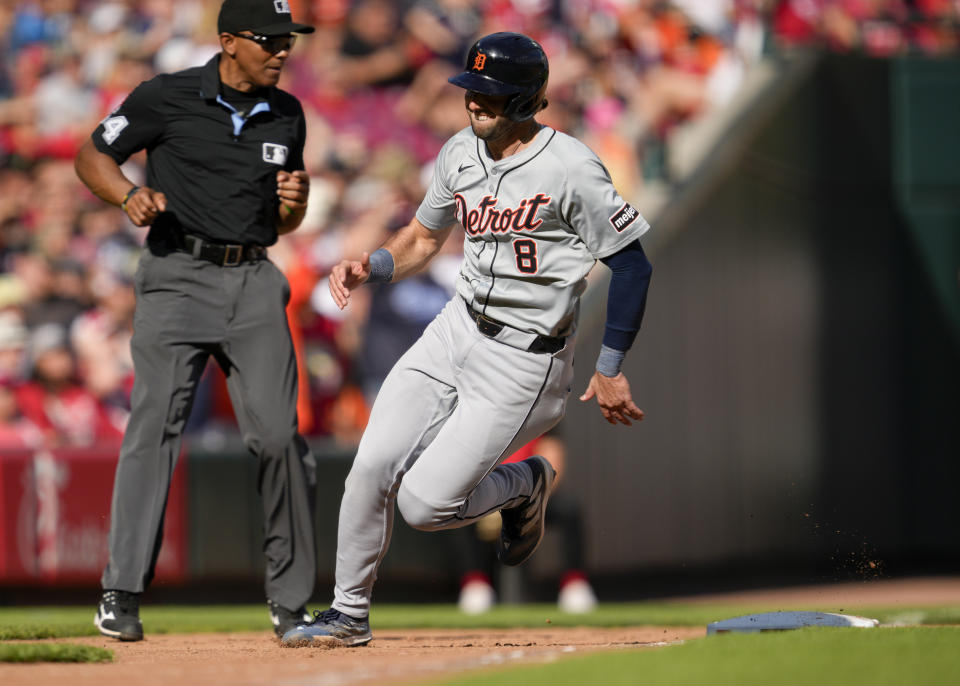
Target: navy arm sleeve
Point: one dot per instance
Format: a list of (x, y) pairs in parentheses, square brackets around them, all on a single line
[(627, 296)]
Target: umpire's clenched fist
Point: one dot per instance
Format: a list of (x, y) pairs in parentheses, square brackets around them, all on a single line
[(144, 204), (293, 189)]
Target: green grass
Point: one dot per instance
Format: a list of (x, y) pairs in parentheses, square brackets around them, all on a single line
[(927, 656), (53, 652), (50, 622)]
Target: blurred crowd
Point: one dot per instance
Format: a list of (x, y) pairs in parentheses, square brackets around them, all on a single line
[(372, 79)]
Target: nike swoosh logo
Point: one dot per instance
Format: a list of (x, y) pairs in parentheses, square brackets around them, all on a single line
[(462, 167), (106, 615)]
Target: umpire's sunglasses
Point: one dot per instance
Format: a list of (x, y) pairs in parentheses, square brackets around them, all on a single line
[(272, 44)]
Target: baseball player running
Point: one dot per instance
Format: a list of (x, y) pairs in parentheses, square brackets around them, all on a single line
[(493, 370)]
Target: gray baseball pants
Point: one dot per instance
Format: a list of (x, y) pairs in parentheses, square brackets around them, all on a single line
[(187, 310), (454, 406)]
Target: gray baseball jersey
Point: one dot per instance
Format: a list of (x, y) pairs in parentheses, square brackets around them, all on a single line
[(460, 400), (535, 224)]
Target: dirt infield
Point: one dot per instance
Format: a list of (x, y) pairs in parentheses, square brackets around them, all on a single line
[(393, 657), (401, 657)]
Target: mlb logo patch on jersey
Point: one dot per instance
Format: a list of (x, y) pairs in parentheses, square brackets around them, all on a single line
[(624, 217), (274, 153)]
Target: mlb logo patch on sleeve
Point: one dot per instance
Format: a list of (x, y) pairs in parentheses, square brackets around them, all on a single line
[(274, 153), (624, 217)]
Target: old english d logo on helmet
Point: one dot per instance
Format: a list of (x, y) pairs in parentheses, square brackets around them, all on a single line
[(507, 64)]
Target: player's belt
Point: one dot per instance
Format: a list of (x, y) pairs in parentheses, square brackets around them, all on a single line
[(491, 327), (222, 254)]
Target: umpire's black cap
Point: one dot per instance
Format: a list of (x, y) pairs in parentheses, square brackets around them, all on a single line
[(266, 17)]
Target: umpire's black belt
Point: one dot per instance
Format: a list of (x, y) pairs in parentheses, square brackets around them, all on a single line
[(222, 254), (491, 327)]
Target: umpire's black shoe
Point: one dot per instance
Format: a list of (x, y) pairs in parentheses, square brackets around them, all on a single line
[(522, 528), (284, 620), (118, 616)]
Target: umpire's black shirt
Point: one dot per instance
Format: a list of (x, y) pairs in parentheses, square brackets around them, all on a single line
[(213, 151)]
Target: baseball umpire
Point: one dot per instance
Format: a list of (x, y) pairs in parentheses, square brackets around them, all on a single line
[(493, 370), (224, 177)]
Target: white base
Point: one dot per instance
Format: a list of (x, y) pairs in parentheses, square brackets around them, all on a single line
[(782, 621)]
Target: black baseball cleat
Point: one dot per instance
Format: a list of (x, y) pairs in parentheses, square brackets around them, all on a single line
[(330, 629), (522, 526), (284, 620), (118, 616)]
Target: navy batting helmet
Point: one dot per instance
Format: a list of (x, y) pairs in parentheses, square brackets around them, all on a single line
[(508, 64)]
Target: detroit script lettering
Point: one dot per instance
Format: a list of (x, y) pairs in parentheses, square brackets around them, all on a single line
[(488, 217)]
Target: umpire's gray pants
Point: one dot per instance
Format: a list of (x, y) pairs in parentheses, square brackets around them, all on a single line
[(188, 310), (454, 406)]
